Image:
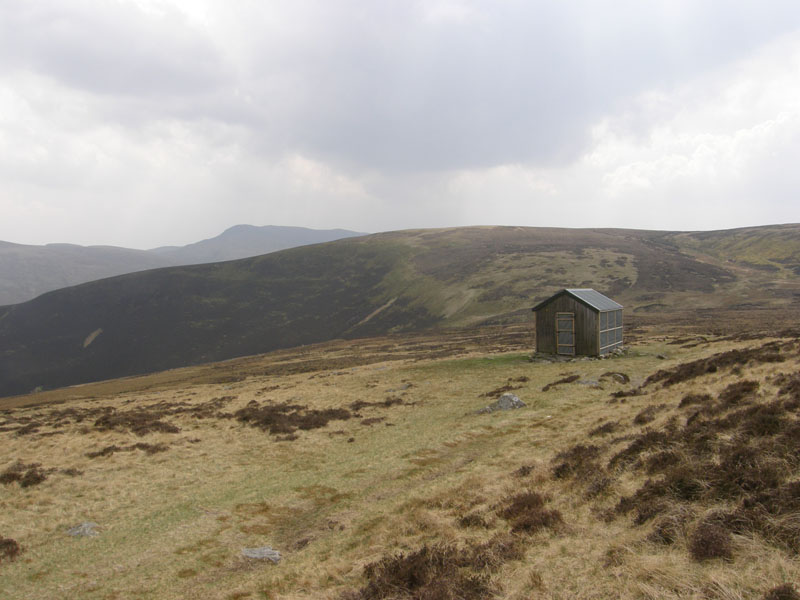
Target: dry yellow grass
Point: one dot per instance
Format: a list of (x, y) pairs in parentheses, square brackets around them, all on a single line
[(400, 475)]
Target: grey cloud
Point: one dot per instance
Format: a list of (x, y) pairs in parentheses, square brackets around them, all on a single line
[(365, 115), (367, 85), (519, 82), (108, 47)]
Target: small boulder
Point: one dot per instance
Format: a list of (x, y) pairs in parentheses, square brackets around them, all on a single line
[(616, 377), (262, 553), (505, 402), (87, 529)]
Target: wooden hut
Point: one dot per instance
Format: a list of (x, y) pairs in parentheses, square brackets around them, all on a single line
[(578, 322)]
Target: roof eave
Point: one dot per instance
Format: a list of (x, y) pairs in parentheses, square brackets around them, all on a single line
[(583, 301)]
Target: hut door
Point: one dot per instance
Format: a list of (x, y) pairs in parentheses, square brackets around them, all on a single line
[(565, 333)]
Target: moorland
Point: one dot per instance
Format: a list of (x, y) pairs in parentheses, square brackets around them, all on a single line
[(363, 453), (669, 471), (405, 281)]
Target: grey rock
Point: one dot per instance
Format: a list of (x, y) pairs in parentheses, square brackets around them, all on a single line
[(87, 529), (541, 357), (505, 402), (401, 388), (620, 378), (262, 553)]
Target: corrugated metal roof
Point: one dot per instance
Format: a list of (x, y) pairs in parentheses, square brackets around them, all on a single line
[(594, 298), (586, 295)]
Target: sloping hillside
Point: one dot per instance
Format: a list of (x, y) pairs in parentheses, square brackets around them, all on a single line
[(396, 281), (669, 472), (28, 271)]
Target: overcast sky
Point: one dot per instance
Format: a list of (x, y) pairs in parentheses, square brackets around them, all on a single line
[(150, 122)]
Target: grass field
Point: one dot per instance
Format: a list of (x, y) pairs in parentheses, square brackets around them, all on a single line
[(668, 472)]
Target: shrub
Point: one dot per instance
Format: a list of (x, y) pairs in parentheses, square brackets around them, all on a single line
[(648, 414), (660, 461), (26, 475), (285, 419), (646, 441), (670, 527), (709, 541), (744, 469), (472, 520), (526, 513), (782, 592), (9, 549), (581, 459), (605, 428), (567, 379), (140, 422), (439, 572), (524, 471), (736, 392), (690, 399)]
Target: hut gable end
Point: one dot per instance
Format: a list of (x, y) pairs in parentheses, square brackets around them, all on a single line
[(578, 322)]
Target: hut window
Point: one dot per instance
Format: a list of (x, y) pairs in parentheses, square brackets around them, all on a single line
[(610, 330)]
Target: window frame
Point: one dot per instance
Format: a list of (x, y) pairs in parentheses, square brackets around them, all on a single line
[(612, 332)]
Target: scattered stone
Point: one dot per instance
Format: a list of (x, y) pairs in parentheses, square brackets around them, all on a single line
[(617, 377), (590, 382), (661, 357), (401, 388), (543, 357), (505, 402), (262, 553), (87, 529)]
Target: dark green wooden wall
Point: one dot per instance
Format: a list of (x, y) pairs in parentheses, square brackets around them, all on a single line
[(586, 326)]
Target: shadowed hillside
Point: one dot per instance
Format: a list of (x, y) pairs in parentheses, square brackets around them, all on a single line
[(28, 271), (397, 281)]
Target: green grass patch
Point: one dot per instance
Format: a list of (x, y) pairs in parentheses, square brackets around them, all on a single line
[(500, 361)]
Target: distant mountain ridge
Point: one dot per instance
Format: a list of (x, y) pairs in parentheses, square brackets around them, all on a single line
[(243, 241), (27, 271), (389, 282)]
